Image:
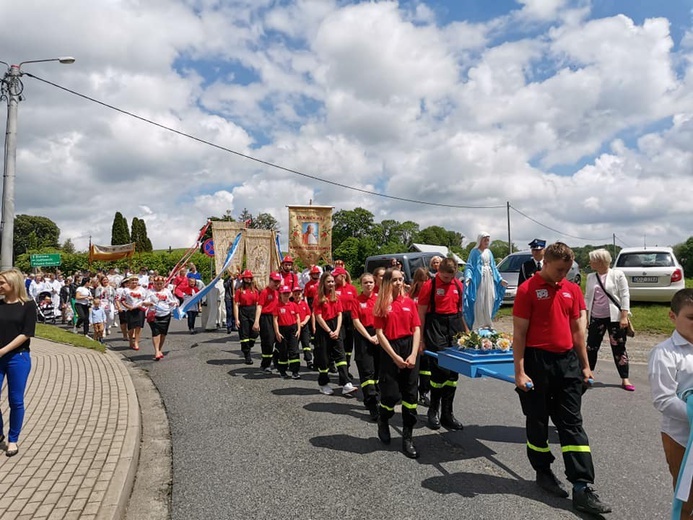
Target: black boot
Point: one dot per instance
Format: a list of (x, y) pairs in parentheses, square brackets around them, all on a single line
[(408, 444), (373, 410), (447, 418), (248, 359), (433, 410), (384, 430)]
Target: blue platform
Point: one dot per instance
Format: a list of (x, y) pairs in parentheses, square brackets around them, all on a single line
[(477, 363)]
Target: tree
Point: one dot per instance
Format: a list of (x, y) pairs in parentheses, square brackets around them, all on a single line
[(262, 221), (119, 230), (68, 246), (438, 236), (684, 254), (32, 232), (139, 236), (357, 223)]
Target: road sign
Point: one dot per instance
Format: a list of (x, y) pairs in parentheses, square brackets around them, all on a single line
[(208, 247), (50, 260)]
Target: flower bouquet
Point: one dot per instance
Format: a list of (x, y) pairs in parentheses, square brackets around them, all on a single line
[(485, 340)]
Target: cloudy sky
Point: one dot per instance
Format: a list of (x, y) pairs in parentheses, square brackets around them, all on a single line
[(578, 113)]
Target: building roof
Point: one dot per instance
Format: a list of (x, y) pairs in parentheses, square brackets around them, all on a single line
[(442, 250)]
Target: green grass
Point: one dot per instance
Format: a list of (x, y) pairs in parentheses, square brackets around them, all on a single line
[(58, 335)]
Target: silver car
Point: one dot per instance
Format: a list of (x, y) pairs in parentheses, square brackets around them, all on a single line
[(653, 273), (509, 269)]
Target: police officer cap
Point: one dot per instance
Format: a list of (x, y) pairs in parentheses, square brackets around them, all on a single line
[(537, 244)]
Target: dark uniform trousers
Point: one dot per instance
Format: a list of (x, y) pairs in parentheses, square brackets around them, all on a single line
[(398, 383), (348, 327), (289, 355), (246, 334), (367, 357), (305, 338), (439, 332), (557, 394), (328, 349), (267, 338)]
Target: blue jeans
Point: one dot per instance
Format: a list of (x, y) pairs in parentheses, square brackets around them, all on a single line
[(16, 366)]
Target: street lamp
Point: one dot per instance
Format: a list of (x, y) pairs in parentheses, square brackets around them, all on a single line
[(11, 88)]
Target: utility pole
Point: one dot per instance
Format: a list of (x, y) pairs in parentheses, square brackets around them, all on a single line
[(510, 247), (11, 89)]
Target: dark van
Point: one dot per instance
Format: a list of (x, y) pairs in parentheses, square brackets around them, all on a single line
[(410, 262)]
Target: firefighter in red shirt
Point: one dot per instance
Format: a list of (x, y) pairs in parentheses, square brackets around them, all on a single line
[(366, 348), (304, 315), (397, 327), (440, 312), (289, 278), (244, 308), (329, 336), (347, 294), (551, 372), (287, 328), (264, 322)]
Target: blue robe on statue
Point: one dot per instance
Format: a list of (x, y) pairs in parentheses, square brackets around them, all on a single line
[(472, 278)]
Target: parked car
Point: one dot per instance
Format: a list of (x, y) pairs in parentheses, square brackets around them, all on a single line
[(653, 273), (410, 262), (509, 269)]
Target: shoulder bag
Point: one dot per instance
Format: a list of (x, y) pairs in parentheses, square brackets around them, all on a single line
[(630, 331)]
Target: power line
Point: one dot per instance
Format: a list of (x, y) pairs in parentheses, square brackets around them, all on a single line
[(622, 242), (261, 161), (556, 230)]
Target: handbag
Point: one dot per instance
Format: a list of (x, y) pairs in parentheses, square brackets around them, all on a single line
[(630, 330), (151, 314)]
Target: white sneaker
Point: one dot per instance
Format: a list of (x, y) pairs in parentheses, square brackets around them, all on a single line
[(348, 389), (325, 389)]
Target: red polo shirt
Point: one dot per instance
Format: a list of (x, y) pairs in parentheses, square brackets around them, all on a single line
[(310, 290), (549, 309), (363, 309), (401, 319), (346, 294), (268, 299), (327, 310), (448, 297), (286, 313), (246, 297), (303, 309)]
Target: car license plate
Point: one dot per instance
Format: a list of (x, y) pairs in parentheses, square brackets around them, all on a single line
[(645, 279)]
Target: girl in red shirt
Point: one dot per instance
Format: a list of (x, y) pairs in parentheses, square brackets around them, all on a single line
[(329, 336), (397, 327), (287, 328), (366, 344), (347, 294), (245, 300), (304, 315)]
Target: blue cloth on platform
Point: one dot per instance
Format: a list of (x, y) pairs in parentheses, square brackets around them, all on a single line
[(684, 479), (472, 279)]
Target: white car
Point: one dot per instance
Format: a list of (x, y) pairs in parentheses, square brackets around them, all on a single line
[(653, 273), (509, 269)]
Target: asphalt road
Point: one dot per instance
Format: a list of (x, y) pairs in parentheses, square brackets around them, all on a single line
[(250, 446)]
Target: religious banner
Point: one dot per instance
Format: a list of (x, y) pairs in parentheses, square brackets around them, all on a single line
[(310, 233), (223, 234), (261, 255), (109, 253)]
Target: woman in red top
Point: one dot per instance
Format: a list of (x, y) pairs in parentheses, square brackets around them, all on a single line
[(245, 300), (304, 315), (347, 294), (185, 292), (287, 328), (329, 337), (397, 326), (420, 277), (366, 344)]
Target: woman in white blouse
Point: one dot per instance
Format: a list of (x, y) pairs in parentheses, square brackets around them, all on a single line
[(608, 306)]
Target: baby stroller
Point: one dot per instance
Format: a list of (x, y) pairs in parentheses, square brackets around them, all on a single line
[(46, 311)]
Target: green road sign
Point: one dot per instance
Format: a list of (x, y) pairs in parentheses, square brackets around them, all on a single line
[(45, 260)]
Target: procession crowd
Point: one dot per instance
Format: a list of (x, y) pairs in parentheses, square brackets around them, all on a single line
[(384, 331)]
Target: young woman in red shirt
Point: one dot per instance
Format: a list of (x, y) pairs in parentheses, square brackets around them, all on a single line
[(366, 349), (397, 326), (304, 337), (287, 328), (329, 337), (244, 306)]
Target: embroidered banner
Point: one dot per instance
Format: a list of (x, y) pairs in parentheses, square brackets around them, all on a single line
[(310, 233), (111, 252), (223, 234), (261, 255)]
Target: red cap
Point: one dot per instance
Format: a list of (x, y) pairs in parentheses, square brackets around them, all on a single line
[(285, 289), (315, 269), (338, 270), (247, 274), (288, 260), (276, 277), (296, 288)]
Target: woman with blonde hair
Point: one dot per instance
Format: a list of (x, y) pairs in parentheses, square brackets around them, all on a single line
[(17, 326), (398, 329), (608, 305)]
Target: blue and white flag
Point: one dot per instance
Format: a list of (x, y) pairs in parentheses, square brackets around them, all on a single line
[(181, 312)]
